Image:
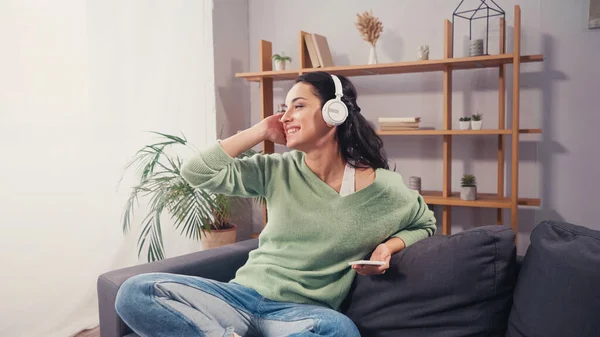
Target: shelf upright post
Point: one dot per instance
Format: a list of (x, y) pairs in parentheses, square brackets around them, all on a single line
[(515, 120), (447, 147), (266, 96), (501, 119)]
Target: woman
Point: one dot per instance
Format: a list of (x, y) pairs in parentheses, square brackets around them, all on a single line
[(330, 200)]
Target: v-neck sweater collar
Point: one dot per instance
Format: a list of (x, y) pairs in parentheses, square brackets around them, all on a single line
[(329, 191)]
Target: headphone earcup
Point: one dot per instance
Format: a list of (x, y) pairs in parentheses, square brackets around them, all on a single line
[(334, 112)]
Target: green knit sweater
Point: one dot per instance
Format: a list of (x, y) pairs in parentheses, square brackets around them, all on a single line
[(312, 232)]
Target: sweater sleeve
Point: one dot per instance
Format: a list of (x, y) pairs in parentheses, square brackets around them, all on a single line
[(421, 224), (214, 170)]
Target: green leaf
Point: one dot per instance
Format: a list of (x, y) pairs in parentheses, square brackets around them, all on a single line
[(144, 234), (157, 244), (179, 140), (140, 247)]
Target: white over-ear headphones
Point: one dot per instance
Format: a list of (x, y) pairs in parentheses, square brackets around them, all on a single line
[(335, 111)]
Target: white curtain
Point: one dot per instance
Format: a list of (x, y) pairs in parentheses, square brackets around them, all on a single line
[(80, 84)]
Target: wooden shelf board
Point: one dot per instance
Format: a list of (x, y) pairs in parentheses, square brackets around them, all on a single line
[(487, 200), (531, 131), (426, 132), (274, 74), (473, 62)]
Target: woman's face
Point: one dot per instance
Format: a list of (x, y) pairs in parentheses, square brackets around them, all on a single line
[(303, 123)]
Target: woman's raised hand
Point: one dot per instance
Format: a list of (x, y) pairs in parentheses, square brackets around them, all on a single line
[(269, 128), (273, 130)]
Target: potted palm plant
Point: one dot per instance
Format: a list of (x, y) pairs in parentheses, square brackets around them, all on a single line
[(468, 187), (196, 213), (279, 61)]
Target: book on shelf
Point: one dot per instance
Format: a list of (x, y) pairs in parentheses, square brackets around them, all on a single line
[(318, 50), (399, 123), (399, 119), (397, 128)]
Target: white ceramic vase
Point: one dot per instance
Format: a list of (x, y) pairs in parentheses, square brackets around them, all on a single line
[(465, 125), (476, 125), (468, 192), (372, 55), (423, 52)]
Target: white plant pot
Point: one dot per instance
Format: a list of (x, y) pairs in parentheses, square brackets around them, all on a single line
[(468, 193), (279, 65), (465, 125), (476, 125)]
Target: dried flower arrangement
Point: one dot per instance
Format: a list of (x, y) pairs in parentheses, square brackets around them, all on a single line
[(369, 27)]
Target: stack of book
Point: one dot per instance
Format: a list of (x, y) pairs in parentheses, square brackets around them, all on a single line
[(399, 123)]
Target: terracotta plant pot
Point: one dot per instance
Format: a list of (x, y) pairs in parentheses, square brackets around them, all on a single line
[(219, 237), (468, 192)]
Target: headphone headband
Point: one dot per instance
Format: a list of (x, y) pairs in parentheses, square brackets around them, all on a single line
[(338, 86)]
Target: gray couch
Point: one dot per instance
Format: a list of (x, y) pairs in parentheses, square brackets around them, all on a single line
[(467, 284)]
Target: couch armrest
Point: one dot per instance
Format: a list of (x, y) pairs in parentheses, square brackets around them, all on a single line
[(218, 264)]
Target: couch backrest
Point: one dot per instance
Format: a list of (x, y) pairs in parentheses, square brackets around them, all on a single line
[(558, 290), (458, 285)]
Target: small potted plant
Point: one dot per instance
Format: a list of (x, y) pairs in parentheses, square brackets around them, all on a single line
[(465, 123), (476, 121), (279, 61), (468, 187)]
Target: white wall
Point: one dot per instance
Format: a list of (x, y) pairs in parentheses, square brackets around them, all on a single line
[(233, 96), (81, 83), (557, 95)]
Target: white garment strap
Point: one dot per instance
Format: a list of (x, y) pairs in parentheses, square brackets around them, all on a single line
[(347, 181)]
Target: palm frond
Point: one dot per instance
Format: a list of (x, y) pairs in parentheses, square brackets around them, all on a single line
[(176, 139), (148, 221), (193, 213), (129, 210)]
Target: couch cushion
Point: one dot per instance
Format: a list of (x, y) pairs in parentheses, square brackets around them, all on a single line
[(558, 290), (458, 285)]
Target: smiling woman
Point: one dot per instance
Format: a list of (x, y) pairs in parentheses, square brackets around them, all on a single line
[(330, 200)]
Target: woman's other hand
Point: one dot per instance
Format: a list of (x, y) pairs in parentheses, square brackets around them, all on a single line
[(381, 253)]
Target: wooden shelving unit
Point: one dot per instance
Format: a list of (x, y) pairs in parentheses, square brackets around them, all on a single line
[(446, 197)]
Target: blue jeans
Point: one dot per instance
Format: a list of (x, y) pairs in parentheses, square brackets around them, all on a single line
[(161, 304)]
